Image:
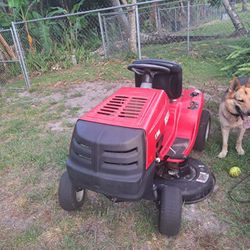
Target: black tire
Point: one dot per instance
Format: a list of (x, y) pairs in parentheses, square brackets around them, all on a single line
[(204, 131), (170, 211), (69, 197)]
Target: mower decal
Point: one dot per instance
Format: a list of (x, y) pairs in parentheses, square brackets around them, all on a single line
[(203, 177), (157, 134), (166, 118), (201, 166)]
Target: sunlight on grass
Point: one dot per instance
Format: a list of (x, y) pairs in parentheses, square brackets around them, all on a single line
[(97, 71)]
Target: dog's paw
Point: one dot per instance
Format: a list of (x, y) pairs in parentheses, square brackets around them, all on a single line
[(222, 154), (240, 150)]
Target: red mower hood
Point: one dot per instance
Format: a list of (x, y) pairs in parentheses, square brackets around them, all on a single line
[(130, 107)]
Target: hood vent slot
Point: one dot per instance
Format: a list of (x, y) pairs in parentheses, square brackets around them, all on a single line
[(123, 106)]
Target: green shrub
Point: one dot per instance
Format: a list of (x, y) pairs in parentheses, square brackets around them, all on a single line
[(238, 61)]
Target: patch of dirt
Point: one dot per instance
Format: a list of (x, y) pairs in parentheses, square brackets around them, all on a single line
[(82, 96), (25, 94), (55, 126), (52, 98), (97, 230), (92, 94), (204, 219)]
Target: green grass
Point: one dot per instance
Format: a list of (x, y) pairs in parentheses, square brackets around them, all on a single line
[(21, 130), (106, 70), (204, 60), (220, 27), (213, 28), (28, 237), (102, 71), (217, 26), (197, 68)]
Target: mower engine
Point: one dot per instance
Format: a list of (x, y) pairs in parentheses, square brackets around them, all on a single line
[(135, 145)]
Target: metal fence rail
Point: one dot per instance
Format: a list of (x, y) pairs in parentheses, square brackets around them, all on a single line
[(148, 29)]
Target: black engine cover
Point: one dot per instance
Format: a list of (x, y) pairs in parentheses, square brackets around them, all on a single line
[(109, 159)]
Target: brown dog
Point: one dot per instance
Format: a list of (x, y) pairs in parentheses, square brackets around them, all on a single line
[(234, 112)]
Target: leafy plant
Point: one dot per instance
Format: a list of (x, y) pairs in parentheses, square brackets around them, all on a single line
[(238, 62), (70, 26)]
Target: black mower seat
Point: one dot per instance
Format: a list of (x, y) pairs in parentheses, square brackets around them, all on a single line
[(168, 76)]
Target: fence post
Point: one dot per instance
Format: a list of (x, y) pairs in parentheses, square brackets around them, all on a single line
[(197, 14), (102, 34), (105, 32), (188, 26), (159, 18), (20, 55), (175, 24), (138, 32)]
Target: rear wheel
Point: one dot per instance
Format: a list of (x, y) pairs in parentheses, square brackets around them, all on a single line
[(170, 211), (70, 198), (204, 130)]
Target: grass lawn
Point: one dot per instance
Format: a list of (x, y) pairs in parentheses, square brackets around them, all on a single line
[(221, 27), (35, 132)]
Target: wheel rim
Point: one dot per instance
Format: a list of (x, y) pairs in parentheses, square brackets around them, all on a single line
[(207, 131), (79, 195)]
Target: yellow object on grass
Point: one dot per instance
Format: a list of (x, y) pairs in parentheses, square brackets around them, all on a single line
[(234, 172)]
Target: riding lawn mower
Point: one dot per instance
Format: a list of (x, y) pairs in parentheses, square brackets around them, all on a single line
[(136, 144)]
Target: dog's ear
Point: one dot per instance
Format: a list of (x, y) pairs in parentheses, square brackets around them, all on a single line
[(234, 84)]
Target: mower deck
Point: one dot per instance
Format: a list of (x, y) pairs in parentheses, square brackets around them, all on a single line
[(196, 182)]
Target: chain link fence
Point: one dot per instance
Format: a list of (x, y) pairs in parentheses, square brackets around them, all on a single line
[(58, 43), (115, 34), (157, 29), (10, 67)]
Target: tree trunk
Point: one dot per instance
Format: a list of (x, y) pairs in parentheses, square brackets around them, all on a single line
[(7, 48), (192, 12), (154, 19), (129, 25), (132, 20), (244, 5), (123, 19), (181, 14), (238, 25)]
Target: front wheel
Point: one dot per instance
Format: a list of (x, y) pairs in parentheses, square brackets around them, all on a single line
[(69, 197), (170, 210), (204, 130)]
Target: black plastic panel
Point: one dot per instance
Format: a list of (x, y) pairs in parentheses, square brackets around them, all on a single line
[(108, 159)]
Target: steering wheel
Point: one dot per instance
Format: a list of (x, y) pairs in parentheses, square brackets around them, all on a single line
[(147, 71), (143, 68)]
